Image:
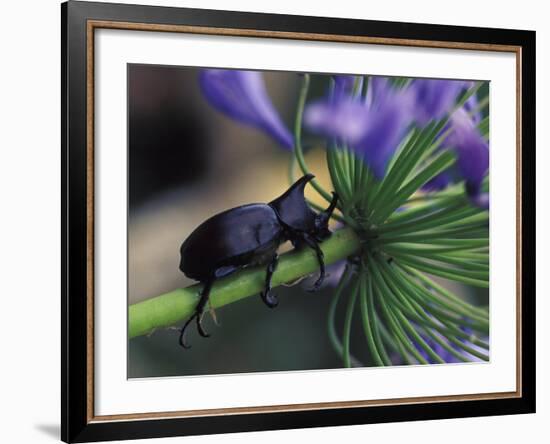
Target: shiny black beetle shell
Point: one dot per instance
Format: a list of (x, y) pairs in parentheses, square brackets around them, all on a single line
[(230, 240), (246, 235), (250, 235)]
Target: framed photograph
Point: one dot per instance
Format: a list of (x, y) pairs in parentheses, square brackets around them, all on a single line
[(276, 221)]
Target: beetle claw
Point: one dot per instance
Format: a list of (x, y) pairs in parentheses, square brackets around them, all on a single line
[(200, 328), (317, 284), (182, 333), (213, 315), (270, 299), (313, 244)]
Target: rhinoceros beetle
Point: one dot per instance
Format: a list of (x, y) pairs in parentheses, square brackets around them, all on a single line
[(250, 235)]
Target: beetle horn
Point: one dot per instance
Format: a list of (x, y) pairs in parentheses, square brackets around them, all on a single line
[(301, 182), (291, 206), (295, 192)]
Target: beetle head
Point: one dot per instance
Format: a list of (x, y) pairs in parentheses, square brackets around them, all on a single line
[(294, 212), (292, 209)]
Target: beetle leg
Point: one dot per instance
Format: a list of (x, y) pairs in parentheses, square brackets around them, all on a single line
[(322, 219), (197, 314), (312, 243), (182, 332), (328, 212), (205, 293), (267, 296)]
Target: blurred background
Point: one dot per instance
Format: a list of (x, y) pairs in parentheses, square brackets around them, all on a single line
[(188, 162)]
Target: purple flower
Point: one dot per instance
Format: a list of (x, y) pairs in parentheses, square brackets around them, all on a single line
[(439, 182), (343, 86), (242, 96), (386, 127), (444, 354), (448, 357), (373, 128), (470, 105), (380, 89), (472, 151), (473, 158), (434, 98), (344, 119)]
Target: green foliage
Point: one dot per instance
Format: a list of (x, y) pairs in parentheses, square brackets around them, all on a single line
[(406, 240), (395, 242)]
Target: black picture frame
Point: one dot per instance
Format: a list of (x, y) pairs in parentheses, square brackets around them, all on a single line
[(77, 424)]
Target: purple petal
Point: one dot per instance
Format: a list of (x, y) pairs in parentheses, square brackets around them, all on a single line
[(447, 356), (373, 134), (242, 96), (481, 200), (372, 128), (343, 87), (390, 115), (438, 182), (345, 120), (460, 120), (386, 127), (472, 151), (379, 89), (434, 98), (470, 105)]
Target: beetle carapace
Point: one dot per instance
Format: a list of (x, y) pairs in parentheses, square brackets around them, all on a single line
[(250, 235)]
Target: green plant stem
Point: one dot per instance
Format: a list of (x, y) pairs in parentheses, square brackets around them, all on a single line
[(298, 151), (337, 175), (420, 300), (394, 324), (331, 324), (376, 347), (393, 290), (428, 204), (432, 235), (445, 345), (445, 328), (437, 219), (347, 323), (467, 277), (435, 166), (430, 283), (177, 305), (448, 243)]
